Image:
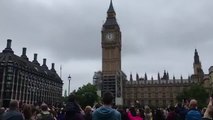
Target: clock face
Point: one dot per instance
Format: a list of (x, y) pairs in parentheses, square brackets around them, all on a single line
[(109, 36)]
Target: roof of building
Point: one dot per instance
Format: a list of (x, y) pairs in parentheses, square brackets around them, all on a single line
[(111, 19), (111, 9), (146, 82), (7, 57)]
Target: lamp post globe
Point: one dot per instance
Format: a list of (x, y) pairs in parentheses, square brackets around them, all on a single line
[(69, 78)]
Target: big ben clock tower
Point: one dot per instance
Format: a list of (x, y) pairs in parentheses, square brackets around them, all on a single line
[(111, 43), (111, 56)]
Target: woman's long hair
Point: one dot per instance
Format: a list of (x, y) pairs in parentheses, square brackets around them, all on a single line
[(132, 111), (27, 111)]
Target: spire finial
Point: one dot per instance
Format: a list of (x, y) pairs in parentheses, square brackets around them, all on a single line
[(158, 76), (111, 9), (111, 19)]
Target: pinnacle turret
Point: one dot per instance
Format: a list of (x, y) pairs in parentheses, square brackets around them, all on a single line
[(197, 64), (196, 57)]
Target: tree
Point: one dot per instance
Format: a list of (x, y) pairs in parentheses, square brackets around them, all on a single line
[(197, 92), (87, 95)]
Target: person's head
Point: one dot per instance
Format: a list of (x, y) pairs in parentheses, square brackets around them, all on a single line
[(44, 107), (193, 103), (27, 111), (98, 105), (138, 112), (147, 109), (88, 109), (107, 98), (2, 110), (35, 111), (179, 105), (132, 111), (203, 110), (13, 105), (171, 109), (141, 112), (71, 98)]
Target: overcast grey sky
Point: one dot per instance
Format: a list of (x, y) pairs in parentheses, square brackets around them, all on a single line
[(157, 35)]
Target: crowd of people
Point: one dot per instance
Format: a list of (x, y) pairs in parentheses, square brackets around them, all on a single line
[(106, 111)]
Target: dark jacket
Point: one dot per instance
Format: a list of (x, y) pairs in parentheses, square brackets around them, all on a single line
[(73, 112), (171, 116), (12, 115), (124, 115), (181, 111)]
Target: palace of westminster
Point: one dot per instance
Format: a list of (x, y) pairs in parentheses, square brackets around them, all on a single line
[(29, 82), (160, 92)]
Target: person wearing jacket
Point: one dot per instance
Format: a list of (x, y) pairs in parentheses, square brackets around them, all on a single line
[(193, 113), (134, 114), (148, 114), (88, 113), (172, 114), (13, 113), (106, 112), (44, 113)]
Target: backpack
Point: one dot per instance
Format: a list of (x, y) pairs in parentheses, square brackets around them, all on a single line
[(46, 117)]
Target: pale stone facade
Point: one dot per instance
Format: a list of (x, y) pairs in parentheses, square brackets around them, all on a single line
[(154, 92)]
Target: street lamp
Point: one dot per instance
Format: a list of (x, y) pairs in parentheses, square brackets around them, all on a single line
[(69, 78)]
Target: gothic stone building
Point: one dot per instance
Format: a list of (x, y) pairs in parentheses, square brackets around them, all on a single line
[(161, 92), (26, 81)]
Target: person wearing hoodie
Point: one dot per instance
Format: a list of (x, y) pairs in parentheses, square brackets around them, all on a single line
[(106, 112)]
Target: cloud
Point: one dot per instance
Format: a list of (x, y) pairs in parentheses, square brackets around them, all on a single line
[(156, 35)]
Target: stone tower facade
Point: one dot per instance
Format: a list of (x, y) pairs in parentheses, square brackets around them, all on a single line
[(112, 76), (111, 44)]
